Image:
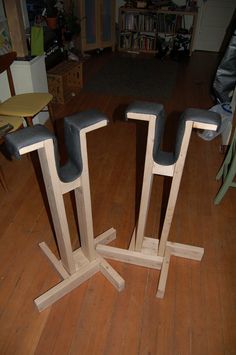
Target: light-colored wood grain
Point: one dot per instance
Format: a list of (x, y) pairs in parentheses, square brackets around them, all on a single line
[(67, 285), (130, 256), (94, 318), (164, 274), (74, 267), (163, 249)]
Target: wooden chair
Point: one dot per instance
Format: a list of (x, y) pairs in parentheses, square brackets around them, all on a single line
[(227, 171), (23, 105), (76, 266), (7, 124), (150, 252)]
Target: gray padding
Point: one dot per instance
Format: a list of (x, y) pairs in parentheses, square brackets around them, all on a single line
[(25, 137), (148, 108), (151, 108), (164, 158), (194, 115), (73, 124)]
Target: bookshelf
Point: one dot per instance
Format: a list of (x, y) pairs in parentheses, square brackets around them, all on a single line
[(141, 29)]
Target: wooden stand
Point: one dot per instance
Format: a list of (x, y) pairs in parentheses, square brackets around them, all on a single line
[(76, 266), (149, 252)]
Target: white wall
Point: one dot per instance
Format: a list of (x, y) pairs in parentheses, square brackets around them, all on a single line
[(214, 17)]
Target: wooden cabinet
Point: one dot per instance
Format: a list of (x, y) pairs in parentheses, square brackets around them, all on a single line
[(142, 30), (97, 24)]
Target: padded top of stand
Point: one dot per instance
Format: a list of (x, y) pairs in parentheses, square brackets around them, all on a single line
[(151, 108), (73, 124), (25, 137), (192, 114), (143, 107)]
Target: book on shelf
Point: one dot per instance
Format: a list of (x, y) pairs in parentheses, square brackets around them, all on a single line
[(143, 29), (138, 21), (138, 41)]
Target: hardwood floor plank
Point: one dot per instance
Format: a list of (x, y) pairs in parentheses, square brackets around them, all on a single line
[(158, 324), (21, 286), (126, 319), (95, 314), (64, 337)]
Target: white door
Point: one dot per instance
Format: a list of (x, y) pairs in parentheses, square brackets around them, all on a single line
[(213, 19)]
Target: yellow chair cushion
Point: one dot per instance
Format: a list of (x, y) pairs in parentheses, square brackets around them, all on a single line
[(25, 105), (16, 122)]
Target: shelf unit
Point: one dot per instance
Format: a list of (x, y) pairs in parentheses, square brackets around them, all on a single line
[(140, 29)]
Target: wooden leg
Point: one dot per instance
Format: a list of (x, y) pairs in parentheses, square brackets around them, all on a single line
[(111, 274), (178, 171), (146, 188), (57, 208), (143, 212), (84, 270), (164, 274), (3, 180), (130, 256), (84, 209), (227, 182), (29, 121), (67, 285), (132, 241), (51, 112), (224, 168), (88, 248), (148, 257)]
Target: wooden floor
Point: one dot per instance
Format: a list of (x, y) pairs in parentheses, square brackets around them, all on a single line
[(198, 313)]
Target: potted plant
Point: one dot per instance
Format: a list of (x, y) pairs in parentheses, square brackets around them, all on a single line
[(71, 23), (51, 13)]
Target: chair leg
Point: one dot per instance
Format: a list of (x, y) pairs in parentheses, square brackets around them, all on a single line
[(51, 115), (228, 182), (3, 180), (224, 168), (29, 121)]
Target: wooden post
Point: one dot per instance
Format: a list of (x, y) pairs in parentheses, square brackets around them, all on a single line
[(151, 252), (16, 27), (84, 209), (178, 171), (146, 188), (76, 266), (57, 207)]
